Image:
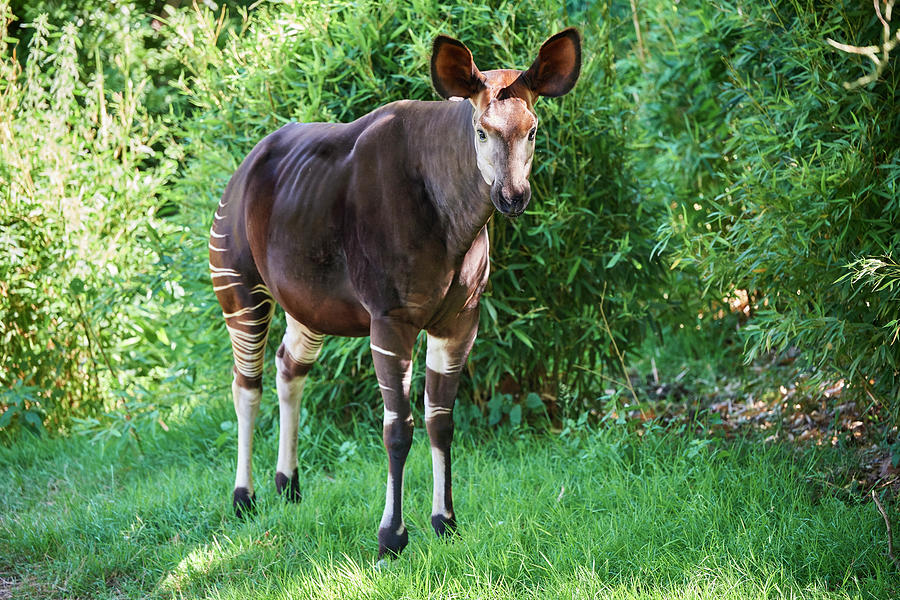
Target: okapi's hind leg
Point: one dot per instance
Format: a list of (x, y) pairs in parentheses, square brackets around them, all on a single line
[(248, 311), (296, 355)]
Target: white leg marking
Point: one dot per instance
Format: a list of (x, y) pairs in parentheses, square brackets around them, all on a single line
[(407, 379), (303, 346), (390, 416), (381, 350), (388, 514), (438, 469), (301, 342), (248, 346), (438, 357), (248, 349), (432, 411), (222, 272), (250, 309), (289, 394), (246, 407)]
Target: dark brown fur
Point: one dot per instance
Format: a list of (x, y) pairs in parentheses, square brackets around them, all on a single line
[(377, 227)]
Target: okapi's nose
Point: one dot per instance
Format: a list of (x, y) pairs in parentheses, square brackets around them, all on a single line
[(512, 200)]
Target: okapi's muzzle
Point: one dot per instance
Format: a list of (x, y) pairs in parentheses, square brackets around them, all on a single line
[(510, 200)]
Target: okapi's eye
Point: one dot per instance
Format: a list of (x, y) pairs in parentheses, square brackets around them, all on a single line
[(482, 135), (531, 134)]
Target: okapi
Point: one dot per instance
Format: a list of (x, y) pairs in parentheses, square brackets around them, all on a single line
[(378, 227)]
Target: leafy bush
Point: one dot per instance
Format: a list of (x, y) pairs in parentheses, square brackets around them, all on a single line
[(82, 164), (786, 183), (726, 158), (124, 316), (585, 240)]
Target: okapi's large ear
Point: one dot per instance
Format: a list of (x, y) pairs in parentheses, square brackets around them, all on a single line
[(556, 69), (453, 72)]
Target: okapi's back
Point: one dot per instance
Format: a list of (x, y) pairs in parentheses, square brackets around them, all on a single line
[(284, 212)]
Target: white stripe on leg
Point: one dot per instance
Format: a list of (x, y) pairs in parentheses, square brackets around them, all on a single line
[(388, 514), (301, 346), (301, 342), (439, 469), (439, 358), (289, 394), (246, 407), (432, 411)]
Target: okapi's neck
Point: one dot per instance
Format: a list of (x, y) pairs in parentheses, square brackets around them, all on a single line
[(445, 149)]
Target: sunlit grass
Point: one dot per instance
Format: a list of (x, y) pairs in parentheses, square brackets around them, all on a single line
[(598, 515)]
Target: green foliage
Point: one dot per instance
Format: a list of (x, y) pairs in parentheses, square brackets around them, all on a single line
[(585, 237), (82, 164), (776, 179), (585, 242), (730, 159)]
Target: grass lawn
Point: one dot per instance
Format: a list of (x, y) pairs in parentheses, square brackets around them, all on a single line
[(594, 515)]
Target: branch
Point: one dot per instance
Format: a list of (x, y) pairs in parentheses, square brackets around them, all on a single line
[(888, 44), (637, 30), (619, 354), (887, 524), (878, 12)]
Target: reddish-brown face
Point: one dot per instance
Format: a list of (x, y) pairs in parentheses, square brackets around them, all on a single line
[(504, 123), (504, 132)]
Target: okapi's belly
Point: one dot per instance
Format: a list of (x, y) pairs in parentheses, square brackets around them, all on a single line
[(332, 312)]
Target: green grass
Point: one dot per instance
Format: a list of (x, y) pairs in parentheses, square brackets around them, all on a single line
[(598, 515)]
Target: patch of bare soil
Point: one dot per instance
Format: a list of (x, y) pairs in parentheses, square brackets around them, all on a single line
[(778, 402)]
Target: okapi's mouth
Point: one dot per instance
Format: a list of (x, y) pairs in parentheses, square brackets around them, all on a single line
[(512, 214), (510, 203)]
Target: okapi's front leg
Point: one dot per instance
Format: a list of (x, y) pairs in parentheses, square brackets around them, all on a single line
[(392, 344), (445, 358)]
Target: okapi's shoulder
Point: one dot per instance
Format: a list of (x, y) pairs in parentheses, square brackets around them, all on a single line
[(400, 135), (381, 130)]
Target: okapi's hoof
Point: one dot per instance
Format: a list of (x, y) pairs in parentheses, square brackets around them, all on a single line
[(243, 501), (444, 526), (290, 488), (391, 543)]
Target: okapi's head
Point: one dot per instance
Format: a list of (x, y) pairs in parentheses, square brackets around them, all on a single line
[(504, 124)]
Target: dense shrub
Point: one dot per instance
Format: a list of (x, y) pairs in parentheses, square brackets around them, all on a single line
[(585, 239), (778, 180), (148, 306), (722, 156), (82, 164)]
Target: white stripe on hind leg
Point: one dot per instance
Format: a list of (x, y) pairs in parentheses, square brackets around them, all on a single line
[(246, 407), (301, 342), (289, 394), (441, 356), (439, 469), (302, 346)]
